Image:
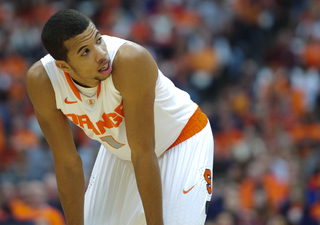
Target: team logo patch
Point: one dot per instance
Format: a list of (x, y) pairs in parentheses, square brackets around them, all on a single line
[(91, 102)]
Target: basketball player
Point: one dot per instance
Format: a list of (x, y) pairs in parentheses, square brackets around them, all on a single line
[(155, 161)]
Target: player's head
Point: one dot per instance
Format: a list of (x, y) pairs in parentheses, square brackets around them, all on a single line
[(74, 42), (62, 26)]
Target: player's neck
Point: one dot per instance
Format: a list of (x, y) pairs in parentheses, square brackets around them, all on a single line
[(82, 85)]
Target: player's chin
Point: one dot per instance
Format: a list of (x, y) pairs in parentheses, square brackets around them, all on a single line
[(102, 78), (102, 75)]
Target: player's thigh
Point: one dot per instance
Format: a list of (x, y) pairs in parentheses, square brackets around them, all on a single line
[(186, 179), (112, 197)]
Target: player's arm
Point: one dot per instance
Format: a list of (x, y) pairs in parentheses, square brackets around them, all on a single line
[(134, 75), (55, 127)]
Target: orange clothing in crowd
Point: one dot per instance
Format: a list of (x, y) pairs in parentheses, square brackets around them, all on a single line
[(315, 211), (247, 11), (15, 65), (183, 18), (297, 99), (22, 212), (246, 196), (225, 140), (276, 192), (302, 132), (311, 54), (205, 59)]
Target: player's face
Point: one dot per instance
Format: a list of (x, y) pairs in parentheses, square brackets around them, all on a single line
[(88, 58)]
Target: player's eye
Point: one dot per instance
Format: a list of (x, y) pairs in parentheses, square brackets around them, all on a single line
[(86, 51), (99, 40)]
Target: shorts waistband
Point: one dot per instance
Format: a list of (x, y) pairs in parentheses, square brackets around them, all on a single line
[(196, 123)]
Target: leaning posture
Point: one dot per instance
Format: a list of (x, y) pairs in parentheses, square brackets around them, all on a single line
[(155, 162)]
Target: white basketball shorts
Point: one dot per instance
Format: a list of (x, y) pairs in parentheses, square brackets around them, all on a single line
[(112, 197)]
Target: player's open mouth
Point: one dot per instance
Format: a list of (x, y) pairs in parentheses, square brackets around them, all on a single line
[(106, 69)]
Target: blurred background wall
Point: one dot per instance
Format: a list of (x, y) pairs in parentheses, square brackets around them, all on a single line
[(251, 65)]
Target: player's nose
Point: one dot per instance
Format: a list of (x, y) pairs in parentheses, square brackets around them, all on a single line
[(101, 54)]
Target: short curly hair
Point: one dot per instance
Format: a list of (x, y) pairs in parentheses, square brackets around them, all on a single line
[(61, 26)]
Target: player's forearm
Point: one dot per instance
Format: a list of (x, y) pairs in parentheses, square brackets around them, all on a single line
[(71, 185), (148, 178)]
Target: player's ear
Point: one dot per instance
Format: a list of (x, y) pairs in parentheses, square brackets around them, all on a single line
[(63, 65)]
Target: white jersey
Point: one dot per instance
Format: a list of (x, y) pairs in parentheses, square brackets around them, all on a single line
[(100, 114)]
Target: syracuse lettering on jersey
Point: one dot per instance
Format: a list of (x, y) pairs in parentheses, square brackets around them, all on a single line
[(109, 120)]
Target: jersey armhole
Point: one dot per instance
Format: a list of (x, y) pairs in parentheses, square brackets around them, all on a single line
[(54, 82)]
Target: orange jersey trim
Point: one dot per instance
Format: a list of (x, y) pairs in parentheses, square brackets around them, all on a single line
[(196, 123), (73, 88)]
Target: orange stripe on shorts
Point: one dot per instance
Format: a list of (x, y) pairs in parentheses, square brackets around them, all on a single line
[(196, 123)]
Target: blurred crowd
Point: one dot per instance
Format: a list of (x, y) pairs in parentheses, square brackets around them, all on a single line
[(251, 65)]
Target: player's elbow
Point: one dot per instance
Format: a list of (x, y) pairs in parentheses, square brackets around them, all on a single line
[(145, 151), (68, 161)]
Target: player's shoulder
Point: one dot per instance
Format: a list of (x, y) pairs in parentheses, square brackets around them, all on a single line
[(36, 69), (39, 87), (131, 51), (38, 82), (132, 64), (130, 57), (36, 74)]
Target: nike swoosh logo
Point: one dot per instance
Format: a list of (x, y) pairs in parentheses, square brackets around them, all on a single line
[(185, 192), (68, 102)]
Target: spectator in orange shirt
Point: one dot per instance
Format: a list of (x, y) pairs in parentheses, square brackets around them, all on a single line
[(35, 208)]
